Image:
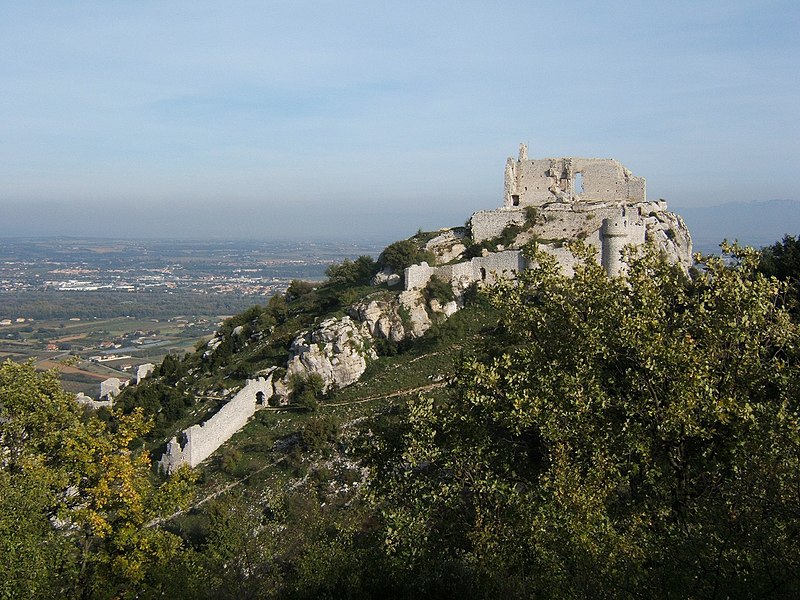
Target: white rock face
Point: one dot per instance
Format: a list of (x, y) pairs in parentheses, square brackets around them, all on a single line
[(212, 345), (337, 351), (414, 303), (380, 318), (670, 235), (447, 246), (388, 277)]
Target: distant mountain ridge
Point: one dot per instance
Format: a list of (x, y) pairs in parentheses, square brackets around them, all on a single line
[(757, 223)]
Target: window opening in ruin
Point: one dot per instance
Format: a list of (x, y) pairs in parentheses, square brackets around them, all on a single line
[(578, 187), (260, 397), (515, 199), (483, 274)]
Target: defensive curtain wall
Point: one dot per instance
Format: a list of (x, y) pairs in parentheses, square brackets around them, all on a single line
[(486, 268), (538, 182), (198, 442), (606, 228)]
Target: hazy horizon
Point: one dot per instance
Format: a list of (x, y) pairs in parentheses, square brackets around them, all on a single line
[(339, 120)]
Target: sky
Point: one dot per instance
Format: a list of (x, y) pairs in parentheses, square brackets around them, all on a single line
[(345, 119)]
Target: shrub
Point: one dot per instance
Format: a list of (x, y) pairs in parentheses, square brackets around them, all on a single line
[(360, 270), (438, 289), (404, 253), (299, 288), (318, 433)]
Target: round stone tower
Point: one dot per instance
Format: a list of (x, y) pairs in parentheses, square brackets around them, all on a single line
[(614, 237)]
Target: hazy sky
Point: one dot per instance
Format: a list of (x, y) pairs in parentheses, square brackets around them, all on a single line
[(347, 118)]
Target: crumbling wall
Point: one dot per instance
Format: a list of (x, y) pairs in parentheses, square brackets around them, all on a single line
[(143, 371), (82, 398), (109, 388), (488, 224), (417, 276), (489, 268), (541, 181), (198, 442), (498, 265)]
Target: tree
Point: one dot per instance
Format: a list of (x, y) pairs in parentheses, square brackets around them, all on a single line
[(77, 501), (619, 437), (782, 260), (352, 272), (298, 288), (402, 254)]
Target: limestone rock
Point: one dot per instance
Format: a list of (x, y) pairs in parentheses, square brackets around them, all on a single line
[(212, 345), (670, 235), (448, 245), (418, 319), (381, 318), (337, 351), (386, 276)]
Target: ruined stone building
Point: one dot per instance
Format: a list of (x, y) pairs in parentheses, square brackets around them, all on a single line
[(553, 201)]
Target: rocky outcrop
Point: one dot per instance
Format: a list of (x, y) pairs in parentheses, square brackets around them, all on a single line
[(386, 277), (448, 245), (380, 318), (337, 351), (670, 235), (417, 317)]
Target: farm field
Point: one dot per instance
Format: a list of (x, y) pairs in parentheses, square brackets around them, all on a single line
[(86, 352)]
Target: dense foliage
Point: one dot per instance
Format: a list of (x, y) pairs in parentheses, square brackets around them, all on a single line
[(782, 260), (359, 271), (404, 253), (75, 500), (630, 437)]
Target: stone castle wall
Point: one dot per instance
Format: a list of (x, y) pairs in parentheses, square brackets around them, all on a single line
[(198, 442), (541, 181), (488, 268), (488, 224)]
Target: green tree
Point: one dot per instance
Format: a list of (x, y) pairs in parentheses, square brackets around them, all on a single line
[(782, 260), (351, 272), (619, 437), (298, 288), (77, 501), (402, 254)]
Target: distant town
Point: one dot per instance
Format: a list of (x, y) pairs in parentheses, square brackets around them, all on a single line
[(239, 268), (100, 309)]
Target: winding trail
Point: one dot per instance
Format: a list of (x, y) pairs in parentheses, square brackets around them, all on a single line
[(212, 495), (230, 486)]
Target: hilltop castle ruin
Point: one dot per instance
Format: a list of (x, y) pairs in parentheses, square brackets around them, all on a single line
[(555, 200), (550, 201)]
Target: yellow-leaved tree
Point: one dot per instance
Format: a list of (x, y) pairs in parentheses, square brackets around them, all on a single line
[(76, 501)]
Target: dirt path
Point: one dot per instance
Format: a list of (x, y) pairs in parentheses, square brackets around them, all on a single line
[(214, 494), (230, 486), (424, 388)]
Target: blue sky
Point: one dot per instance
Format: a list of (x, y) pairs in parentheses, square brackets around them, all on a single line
[(343, 119)]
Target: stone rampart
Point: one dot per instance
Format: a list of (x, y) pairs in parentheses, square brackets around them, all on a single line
[(416, 277), (487, 224), (498, 265), (198, 442), (110, 388), (489, 268), (143, 371), (541, 181)]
